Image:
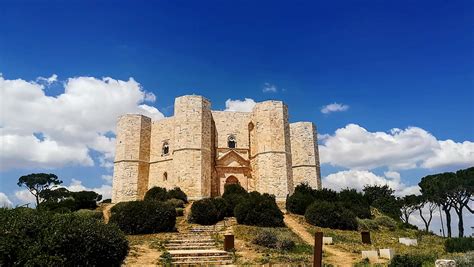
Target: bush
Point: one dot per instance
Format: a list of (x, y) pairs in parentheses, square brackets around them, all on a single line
[(233, 195), (355, 202), (221, 206), (176, 203), (330, 215), (179, 212), (269, 239), (144, 217), (386, 221), (266, 239), (285, 244), (108, 200), (259, 210), (204, 212), (40, 238), (299, 202), (465, 259), (94, 214), (411, 260), (459, 244), (156, 194), (367, 225), (177, 193)]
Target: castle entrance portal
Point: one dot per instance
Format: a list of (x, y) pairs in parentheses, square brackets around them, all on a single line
[(231, 180)]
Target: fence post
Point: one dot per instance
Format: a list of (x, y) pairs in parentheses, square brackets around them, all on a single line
[(318, 250), (228, 242)]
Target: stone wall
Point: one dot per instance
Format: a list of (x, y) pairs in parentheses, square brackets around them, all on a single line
[(130, 180), (161, 132), (304, 152), (271, 158)]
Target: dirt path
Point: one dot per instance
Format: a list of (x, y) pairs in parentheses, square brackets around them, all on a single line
[(336, 257), (106, 212), (143, 255)]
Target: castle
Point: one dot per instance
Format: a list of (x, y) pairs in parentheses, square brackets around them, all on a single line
[(200, 150)]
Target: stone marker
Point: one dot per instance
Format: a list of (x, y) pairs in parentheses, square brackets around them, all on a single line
[(365, 237), (327, 240), (372, 255), (445, 263), (408, 241), (386, 253)]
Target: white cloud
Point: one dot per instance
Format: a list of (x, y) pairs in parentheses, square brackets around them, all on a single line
[(49, 80), (358, 179), (354, 147), (239, 105), (104, 190), (5, 201), (334, 107), (107, 178), (71, 124), (269, 88), (25, 197)]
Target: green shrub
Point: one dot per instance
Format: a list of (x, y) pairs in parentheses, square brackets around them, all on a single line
[(465, 259), (299, 202), (177, 203), (285, 244), (259, 210), (95, 214), (156, 194), (367, 225), (204, 212), (411, 260), (386, 221), (233, 195), (144, 217), (459, 244), (355, 202), (179, 212), (221, 206), (266, 239), (177, 193), (108, 200), (330, 215), (40, 238)]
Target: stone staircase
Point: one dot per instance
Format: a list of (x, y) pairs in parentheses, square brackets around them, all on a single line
[(196, 246)]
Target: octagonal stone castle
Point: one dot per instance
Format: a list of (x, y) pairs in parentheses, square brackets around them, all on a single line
[(200, 150)]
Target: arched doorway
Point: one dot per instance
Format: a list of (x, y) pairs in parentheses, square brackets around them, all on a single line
[(231, 180)]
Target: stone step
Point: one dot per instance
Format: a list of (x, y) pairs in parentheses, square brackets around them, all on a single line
[(198, 253), (203, 262), (223, 257), (190, 247), (190, 241)]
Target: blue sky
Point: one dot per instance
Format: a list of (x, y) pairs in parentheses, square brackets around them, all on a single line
[(394, 64)]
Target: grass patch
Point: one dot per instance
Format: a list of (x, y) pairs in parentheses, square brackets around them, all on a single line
[(300, 254)]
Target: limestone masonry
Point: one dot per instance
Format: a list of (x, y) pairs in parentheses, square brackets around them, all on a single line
[(200, 151)]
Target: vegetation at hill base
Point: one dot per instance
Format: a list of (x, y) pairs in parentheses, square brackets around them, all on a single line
[(31, 237)]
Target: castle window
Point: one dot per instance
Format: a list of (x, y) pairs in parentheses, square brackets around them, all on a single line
[(231, 142), (165, 176), (166, 149)]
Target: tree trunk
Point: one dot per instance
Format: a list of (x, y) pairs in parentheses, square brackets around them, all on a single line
[(441, 218), (427, 225), (460, 222), (448, 221)]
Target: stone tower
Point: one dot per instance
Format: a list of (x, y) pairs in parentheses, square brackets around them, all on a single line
[(304, 154), (271, 149), (192, 159), (132, 157)]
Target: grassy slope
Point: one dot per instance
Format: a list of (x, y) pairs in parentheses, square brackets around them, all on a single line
[(350, 241)]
